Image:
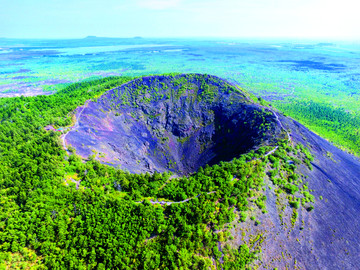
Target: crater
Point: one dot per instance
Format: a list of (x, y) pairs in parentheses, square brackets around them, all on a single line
[(172, 123)]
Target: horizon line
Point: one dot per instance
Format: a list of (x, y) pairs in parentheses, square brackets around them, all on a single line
[(308, 38)]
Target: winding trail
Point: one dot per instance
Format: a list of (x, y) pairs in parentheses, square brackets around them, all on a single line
[(281, 125), (78, 115), (271, 152), (278, 120), (183, 201), (75, 126)]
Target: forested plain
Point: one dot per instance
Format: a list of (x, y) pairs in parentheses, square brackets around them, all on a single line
[(336, 124), (109, 221)]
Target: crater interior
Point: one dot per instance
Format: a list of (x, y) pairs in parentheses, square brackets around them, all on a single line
[(171, 123)]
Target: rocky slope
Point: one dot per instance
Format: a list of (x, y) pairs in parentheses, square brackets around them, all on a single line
[(171, 123), (326, 237), (332, 240)]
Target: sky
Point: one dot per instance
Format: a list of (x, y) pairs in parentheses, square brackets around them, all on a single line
[(314, 19)]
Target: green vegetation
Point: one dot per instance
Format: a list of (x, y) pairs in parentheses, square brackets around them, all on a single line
[(143, 91), (57, 211), (335, 124)]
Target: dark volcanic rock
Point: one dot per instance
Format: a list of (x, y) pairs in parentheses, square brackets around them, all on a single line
[(172, 123), (332, 240), (328, 236)]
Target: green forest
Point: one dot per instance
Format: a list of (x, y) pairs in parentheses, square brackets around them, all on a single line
[(110, 221), (335, 124)]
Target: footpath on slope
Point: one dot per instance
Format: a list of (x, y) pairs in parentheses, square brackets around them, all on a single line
[(77, 117), (170, 203), (281, 125), (75, 126)]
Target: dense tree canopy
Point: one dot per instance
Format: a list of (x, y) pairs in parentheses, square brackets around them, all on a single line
[(336, 124)]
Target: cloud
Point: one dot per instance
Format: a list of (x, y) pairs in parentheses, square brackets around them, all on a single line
[(158, 4)]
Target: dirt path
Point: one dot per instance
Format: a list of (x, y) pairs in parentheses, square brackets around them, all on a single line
[(272, 151), (278, 120), (281, 125), (75, 126), (170, 203), (78, 115)]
